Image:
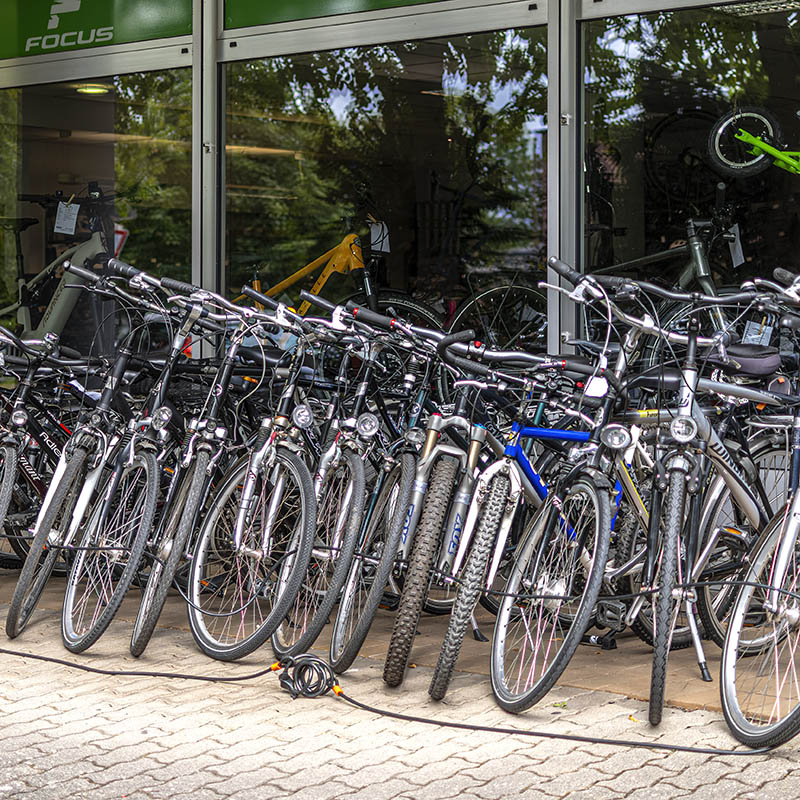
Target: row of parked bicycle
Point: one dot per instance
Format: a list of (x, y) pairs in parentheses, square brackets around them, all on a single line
[(647, 482)]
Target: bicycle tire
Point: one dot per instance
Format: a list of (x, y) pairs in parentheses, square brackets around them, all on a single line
[(715, 602), (756, 651), (665, 602), (237, 599), (106, 575), (176, 532), (732, 157), (328, 567), (8, 478), (41, 559), (501, 316), (471, 585), (417, 578), (365, 579), (547, 565)]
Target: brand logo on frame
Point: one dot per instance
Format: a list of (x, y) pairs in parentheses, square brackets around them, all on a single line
[(67, 39)]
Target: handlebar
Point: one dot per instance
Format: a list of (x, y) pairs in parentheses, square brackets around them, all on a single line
[(319, 302)]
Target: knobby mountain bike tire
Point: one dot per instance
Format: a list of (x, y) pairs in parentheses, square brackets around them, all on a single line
[(53, 522), (340, 508), (759, 686), (666, 605), (372, 565), (169, 550), (237, 597), (472, 584), (420, 564), (110, 550), (551, 593)]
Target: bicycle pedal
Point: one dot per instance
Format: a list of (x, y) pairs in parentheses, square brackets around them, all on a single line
[(390, 602), (611, 614)]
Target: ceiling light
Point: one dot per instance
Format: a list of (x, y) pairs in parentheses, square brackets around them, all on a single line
[(93, 88)]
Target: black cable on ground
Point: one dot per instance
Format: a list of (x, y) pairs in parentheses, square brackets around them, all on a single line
[(308, 675)]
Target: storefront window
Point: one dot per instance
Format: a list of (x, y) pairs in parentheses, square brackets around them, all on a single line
[(441, 140), (117, 152), (654, 86)]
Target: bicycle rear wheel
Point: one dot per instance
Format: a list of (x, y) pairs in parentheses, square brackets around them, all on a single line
[(760, 687), (551, 594)]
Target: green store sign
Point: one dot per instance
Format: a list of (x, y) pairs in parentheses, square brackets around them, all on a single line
[(243, 13), (37, 27)]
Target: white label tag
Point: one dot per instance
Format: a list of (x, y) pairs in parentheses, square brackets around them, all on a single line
[(756, 333), (66, 218), (596, 387), (737, 254), (379, 237)]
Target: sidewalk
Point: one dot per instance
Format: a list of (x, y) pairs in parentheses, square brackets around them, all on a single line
[(66, 733)]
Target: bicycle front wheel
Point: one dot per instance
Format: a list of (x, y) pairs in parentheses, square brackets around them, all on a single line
[(371, 565), (551, 594), (169, 551), (239, 594), (339, 510), (734, 157), (471, 585), (760, 687), (666, 608), (53, 522), (110, 551)]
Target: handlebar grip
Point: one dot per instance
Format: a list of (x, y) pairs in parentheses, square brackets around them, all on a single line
[(267, 302), (316, 300), (783, 275), (370, 317), (80, 272), (719, 196), (123, 269), (213, 327), (467, 335), (565, 270), (178, 286)]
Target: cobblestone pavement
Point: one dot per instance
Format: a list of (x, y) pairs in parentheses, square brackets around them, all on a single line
[(67, 733)]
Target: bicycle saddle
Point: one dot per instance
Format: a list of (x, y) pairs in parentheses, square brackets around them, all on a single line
[(17, 223), (752, 360)]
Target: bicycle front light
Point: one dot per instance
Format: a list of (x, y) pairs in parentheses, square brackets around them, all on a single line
[(302, 416), (615, 437), (161, 417), (683, 429), (19, 418), (367, 425)]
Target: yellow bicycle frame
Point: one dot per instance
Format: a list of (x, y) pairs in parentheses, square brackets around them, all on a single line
[(343, 258)]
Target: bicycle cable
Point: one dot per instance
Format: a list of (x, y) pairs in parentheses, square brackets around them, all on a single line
[(308, 675)]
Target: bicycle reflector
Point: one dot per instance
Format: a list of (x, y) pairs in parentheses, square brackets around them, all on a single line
[(367, 425), (683, 429), (161, 417), (615, 437), (302, 416)]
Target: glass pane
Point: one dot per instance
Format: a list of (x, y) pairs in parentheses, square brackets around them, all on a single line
[(116, 153), (440, 141), (655, 84)]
